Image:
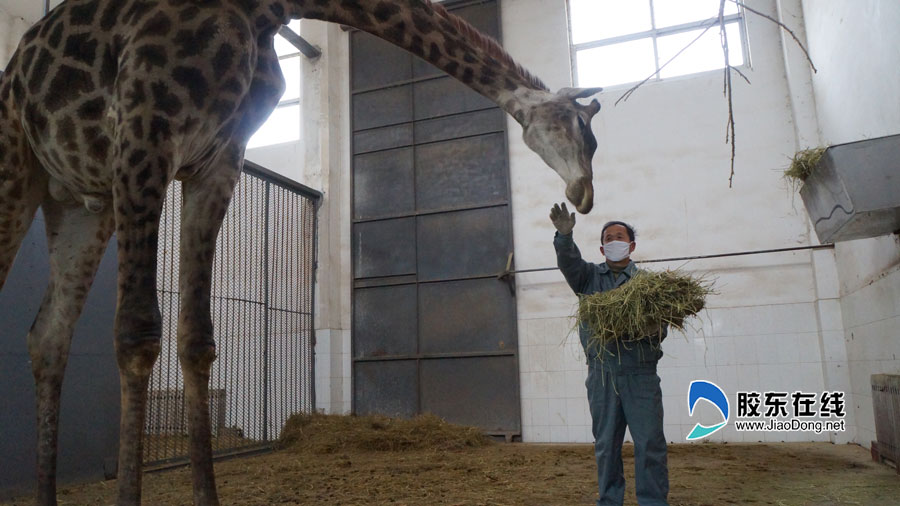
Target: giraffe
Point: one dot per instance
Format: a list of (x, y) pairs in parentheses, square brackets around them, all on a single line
[(105, 102)]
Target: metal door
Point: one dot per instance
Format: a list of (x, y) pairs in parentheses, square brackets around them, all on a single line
[(433, 329)]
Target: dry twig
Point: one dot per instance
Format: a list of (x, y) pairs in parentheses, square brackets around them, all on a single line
[(730, 137)]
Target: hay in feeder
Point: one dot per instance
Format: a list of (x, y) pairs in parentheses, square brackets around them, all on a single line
[(803, 164), (639, 308)]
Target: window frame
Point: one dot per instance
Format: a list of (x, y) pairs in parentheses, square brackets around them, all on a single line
[(284, 103), (653, 34)]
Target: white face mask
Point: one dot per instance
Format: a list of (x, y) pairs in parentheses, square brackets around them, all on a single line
[(617, 250)]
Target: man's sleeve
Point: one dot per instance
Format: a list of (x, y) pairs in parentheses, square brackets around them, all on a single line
[(576, 271)]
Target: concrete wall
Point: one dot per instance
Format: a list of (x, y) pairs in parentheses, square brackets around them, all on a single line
[(11, 30), (856, 46), (321, 160)]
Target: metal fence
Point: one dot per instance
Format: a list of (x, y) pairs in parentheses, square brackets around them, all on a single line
[(262, 311)]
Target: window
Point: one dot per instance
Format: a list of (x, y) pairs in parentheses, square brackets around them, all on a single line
[(283, 124), (624, 41)]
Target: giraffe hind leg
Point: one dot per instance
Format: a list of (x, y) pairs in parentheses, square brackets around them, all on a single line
[(23, 185), (77, 240)]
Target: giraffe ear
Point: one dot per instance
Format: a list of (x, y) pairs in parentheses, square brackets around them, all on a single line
[(573, 93)]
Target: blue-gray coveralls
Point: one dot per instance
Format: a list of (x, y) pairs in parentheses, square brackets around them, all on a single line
[(623, 389)]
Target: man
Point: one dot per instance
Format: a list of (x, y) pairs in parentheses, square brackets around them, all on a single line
[(622, 384)]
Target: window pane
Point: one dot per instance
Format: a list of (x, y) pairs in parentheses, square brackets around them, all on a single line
[(295, 26), (615, 64), (705, 54), (282, 126), (290, 67), (283, 47), (602, 19), (676, 12)]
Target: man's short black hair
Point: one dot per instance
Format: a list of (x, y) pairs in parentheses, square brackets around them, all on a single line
[(628, 227)]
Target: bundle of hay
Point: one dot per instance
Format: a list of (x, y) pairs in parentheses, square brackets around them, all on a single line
[(803, 164), (637, 309)]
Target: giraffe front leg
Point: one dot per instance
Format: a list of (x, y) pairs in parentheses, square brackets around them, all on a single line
[(205, 203), (76, 240), (138, 194)]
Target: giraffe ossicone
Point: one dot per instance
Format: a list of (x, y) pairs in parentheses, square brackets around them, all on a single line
[(105, 102)]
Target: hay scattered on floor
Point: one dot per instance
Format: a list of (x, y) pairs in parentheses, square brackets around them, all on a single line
[(803, 164), (638, 308), (320, 433)]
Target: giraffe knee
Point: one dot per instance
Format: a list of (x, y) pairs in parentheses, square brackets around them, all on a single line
[(137, 340), (197, 356)]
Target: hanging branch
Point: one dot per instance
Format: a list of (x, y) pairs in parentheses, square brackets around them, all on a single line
[(729, 126), (638, 85), (739, 3), (727, 85)]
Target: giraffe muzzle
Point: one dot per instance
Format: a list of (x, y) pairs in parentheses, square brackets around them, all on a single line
[(581, 194)]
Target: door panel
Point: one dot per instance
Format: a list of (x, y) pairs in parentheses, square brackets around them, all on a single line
[(383, 183), (463, 243), (385, 248), (479, 391), (433, 328), (444, 96), (461, 173), (377, 62), (455, 319), (463, 125), (386, 387), (382, 107), (385, 321)]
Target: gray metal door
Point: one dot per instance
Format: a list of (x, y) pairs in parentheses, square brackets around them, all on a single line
[(433, 329)]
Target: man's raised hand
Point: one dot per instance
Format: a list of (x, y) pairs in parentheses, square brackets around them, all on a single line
[(562, 219)]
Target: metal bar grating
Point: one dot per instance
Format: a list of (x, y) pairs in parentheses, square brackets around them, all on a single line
[(262, 311)]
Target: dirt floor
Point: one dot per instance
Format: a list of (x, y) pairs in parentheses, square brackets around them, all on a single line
[(379, 461)]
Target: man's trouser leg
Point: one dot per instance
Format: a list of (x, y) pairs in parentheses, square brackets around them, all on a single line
[(608, 423), (641, 400)]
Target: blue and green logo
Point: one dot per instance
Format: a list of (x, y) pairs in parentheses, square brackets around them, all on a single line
[(710, 392)]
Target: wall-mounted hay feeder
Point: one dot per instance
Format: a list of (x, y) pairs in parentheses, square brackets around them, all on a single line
[(854, 190)]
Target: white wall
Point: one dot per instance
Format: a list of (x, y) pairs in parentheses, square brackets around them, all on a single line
[(12, 28), (856, 46)]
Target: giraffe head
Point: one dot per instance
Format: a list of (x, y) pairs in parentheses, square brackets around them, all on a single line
[(558, 128)]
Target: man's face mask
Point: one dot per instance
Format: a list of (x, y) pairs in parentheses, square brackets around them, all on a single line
[(616, 250)]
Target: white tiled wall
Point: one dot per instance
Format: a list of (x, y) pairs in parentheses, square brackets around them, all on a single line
[(333, 371), (552, 371), (852, 108), (872, 335)]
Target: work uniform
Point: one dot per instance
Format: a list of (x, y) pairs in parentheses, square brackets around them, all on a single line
[(623, 389)]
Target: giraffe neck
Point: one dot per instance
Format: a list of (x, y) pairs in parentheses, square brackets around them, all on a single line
[(431, 32)]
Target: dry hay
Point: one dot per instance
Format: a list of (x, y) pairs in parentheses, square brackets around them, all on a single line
[(322, 434), (803, 164), (638, 309)]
